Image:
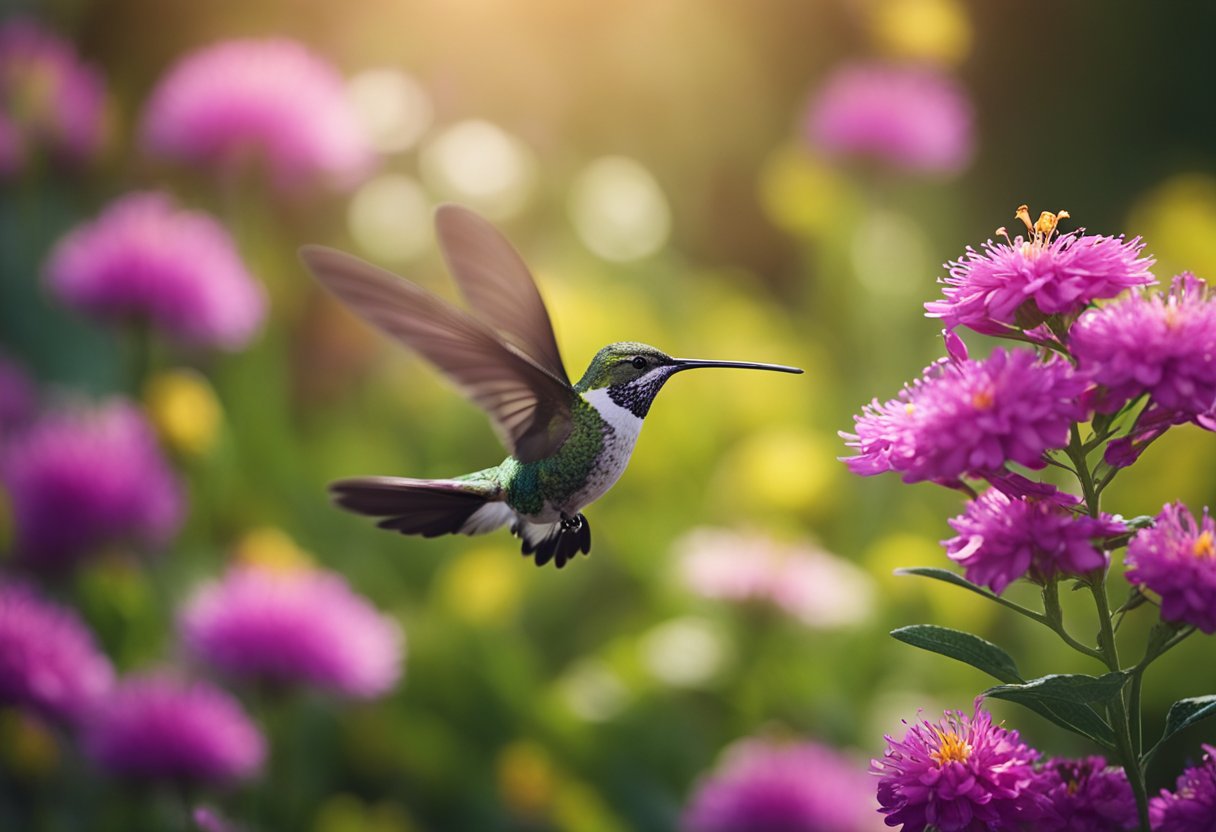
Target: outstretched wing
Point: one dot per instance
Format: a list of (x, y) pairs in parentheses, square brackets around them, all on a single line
[(529, 407), (497, 284)]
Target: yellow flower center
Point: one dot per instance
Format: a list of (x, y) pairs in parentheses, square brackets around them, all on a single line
[(1204, 546), (1039, 232), (983, 399), (953, 749)]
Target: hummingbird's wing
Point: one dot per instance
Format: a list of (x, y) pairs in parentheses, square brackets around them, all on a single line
[(497, 284), (529, 407)]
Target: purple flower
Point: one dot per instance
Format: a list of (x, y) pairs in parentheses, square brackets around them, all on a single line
[(1020, 282), (1003, 538), (49, 662), (48, 98), (781, 787), (910, 117), (145, 259), (968, 418), (1176, 559), (294, 626), (82, 478), (18, 397), (209, 820), (271, 101), (1160, 344), (809, 584), (1192, 806), (1087, 795), (962, 774), (160, 726)]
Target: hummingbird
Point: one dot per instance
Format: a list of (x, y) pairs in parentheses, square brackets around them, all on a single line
[(568, 443)]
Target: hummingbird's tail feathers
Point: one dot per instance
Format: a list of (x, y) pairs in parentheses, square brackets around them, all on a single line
[(425, 507), (558, 542)]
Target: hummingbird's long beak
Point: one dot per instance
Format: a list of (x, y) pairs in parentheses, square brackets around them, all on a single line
[(682, 364)]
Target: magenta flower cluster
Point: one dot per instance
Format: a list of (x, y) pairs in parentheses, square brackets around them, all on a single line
[(911, 118), (49, 662), (966, 417), (1086, 795), (1176, 559), (1191, 807), (160, 726), (293, 627), (1162, 346), (85, 477), (1022, 282), (50, 101), (761, 784), (1002, 538), (270, 102), (963, 773), (144, 259)]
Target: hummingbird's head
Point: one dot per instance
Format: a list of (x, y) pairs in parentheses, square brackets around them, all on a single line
[(633, 373)]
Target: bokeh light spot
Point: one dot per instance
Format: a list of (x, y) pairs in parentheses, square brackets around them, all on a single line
[(684, 652), (890, 255), (393, 108), (481, 165), (618, 209), (593, 691), (1178, 221), (926, 30), (800, 194), (390, 218)]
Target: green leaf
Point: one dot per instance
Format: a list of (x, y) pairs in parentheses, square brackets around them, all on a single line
[(1185, 713), (965, 647), (1066, 699), (1069, 687), (946, 576)]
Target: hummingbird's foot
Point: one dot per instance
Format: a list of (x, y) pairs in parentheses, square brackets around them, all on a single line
[(560, 542)]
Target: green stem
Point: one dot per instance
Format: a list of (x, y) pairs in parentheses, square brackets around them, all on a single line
[(1076, 452), (1054, 618), (1118, 710)]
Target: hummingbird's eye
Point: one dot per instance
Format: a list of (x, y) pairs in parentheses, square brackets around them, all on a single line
[(639, 362)]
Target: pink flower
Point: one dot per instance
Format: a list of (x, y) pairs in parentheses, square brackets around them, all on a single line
[(146, 259), (1022, 281), (809, 584), (1176, 559), (792, 787), (1160, 344), (969, 418), (1002, 538), (910, 117), (294, 626), (271, 101), (961, 774), (86, 477), (159, 726), (49, 661), (48, 97)]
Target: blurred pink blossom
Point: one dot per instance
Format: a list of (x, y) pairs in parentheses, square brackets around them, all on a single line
[(911, 117), (273, 102), (48, 98), (815, 587)]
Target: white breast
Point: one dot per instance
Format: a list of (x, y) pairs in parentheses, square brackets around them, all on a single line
[(619, 440)]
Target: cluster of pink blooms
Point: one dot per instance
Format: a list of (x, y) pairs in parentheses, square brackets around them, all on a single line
[(51, 103), (80, 479), (966, 421), (965, 773), (908, 117)]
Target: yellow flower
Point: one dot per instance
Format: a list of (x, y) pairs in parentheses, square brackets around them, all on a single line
[(924, 30), (271, 548), (185, 410)]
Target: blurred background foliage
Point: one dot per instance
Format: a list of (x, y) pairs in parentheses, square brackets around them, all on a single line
[(649, 161)]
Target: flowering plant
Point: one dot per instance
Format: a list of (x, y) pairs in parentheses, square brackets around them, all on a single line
[(1089, 387)]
